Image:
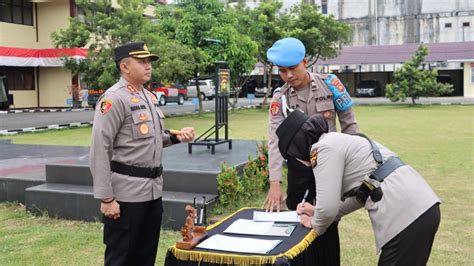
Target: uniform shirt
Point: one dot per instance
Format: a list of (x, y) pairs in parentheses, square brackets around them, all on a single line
[(128, 128), (320, 101), (342, 163)]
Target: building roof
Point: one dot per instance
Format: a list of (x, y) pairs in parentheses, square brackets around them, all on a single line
[(395, 54)]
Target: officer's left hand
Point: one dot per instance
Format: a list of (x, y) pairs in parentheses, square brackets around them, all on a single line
[(187, 134), (306, 220)]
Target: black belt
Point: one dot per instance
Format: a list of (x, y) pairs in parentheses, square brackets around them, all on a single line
[(136, 171)]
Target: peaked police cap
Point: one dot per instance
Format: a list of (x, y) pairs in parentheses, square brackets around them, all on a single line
[(133, 49)]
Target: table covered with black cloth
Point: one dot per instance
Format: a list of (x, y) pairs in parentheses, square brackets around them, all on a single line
[(303, 247)]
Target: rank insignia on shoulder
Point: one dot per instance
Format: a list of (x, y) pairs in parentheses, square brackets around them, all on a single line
[(274, 108), (153, 98), (142, 117), (130, 88), (144, 129), (135, 100), (105, 106), (313, 158)]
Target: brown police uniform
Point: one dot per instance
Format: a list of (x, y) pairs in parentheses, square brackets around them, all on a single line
[(319, 100), (128, 138)]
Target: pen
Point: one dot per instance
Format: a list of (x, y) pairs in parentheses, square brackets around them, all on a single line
[(304, 197)]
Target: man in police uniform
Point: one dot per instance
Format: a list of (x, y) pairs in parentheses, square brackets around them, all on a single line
[(128, 138), (310, 93)]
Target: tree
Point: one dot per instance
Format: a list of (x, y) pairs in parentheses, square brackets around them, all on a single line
[(412, 81), (103, 28), (208, 30), (321, 34)]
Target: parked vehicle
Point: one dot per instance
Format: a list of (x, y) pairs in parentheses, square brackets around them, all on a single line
[(368, 88), (206, 87), (169, 93)]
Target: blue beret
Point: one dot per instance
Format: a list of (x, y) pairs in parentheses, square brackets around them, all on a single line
[(286, 52)]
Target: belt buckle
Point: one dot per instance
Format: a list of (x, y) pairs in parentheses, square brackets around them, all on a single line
[(152, 172)]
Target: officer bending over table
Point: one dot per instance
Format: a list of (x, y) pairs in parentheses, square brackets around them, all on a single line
[(128, 138), (351, 172)]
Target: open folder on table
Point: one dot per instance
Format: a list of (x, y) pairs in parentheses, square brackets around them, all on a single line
[(250, 227), (280, 217), (239, 244)]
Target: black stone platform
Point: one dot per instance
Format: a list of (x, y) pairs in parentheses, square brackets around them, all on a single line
[(63, 186)]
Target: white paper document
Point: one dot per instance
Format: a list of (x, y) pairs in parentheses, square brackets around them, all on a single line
[(283, 217), (250, 227), (239, 244)]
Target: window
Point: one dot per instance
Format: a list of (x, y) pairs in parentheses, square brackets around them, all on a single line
[(324, 6), (16, 11), (19, 78), (447, 25), (465, 24)]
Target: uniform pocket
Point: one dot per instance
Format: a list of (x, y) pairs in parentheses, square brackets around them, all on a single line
[(116, 233), (326, 108), (142, 125)]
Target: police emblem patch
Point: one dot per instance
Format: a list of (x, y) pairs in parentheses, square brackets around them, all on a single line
[(135, 100), (144, 129), (142, 117), (105, 106), (274, 108), (314, 158), (338, 84)]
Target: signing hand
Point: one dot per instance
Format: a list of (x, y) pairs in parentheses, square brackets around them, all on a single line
[(110, 210), (305, 209), (274, 198), (186, 135), (306, 220)]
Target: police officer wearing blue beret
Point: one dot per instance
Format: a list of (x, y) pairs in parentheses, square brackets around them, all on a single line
[(310, 93), (126, 152)]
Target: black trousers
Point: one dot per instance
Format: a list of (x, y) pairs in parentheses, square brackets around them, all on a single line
[(412, 246), (133, 238), (325, 250)]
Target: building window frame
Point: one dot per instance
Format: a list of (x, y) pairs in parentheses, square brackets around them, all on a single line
[(16, 12), (448, 25), (19, 78)]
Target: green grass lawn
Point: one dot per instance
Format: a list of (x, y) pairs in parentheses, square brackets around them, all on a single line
[(436, 140)]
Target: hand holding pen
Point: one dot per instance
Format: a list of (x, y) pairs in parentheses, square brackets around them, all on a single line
[(305, 207)]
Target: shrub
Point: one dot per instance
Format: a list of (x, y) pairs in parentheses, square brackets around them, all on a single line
[(228, 185)]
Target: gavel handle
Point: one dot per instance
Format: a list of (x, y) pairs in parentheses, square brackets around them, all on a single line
[(175, 132)]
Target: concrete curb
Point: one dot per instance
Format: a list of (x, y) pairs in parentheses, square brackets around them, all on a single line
[(46, 110), (85, 124), (43, 128)]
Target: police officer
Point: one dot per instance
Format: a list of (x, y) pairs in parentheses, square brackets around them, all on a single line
[(310, 93), (352, 172), (128, 138)]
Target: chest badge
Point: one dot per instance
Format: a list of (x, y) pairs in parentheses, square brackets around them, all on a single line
[(135, 100), (274, 108), (327, 114), (314, 158), (144, 129), (142, 117), (105, 106)]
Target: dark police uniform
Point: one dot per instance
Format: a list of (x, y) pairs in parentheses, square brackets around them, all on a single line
[(128, 138)]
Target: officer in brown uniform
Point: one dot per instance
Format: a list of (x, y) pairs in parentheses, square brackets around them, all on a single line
[(353, 171), (128, 138), (311, 93)]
